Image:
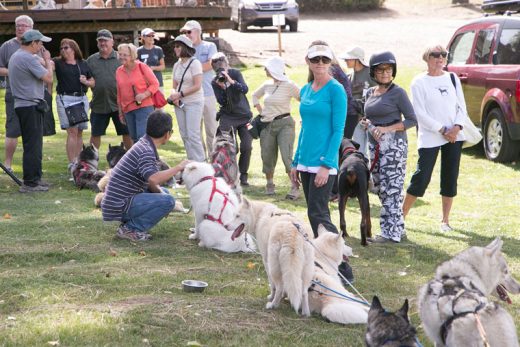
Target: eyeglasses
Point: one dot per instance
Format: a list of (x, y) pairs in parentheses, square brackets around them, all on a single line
[(150, 35), (186, 32), (438, 54), (64, 48), (23, 26), (387, 70), (324, 60)]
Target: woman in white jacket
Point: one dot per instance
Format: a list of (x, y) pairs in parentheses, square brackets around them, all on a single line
[(440, 108)]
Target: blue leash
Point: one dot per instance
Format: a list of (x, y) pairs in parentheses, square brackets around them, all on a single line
[(340, 294)]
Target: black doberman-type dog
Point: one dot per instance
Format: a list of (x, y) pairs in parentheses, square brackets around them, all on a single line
[(353, 179)]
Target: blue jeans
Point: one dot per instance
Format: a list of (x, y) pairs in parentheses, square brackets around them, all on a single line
[(147, 209), (136, 122)]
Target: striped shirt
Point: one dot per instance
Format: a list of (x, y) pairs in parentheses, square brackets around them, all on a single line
[(129, 177), (277, 98)]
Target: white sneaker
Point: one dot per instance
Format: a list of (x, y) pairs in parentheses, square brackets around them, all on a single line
[(445, 227)]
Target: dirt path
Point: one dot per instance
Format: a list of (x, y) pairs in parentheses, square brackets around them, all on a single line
[(400, 27)]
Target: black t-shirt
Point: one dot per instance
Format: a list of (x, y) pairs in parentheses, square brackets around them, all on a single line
[(68, 76)]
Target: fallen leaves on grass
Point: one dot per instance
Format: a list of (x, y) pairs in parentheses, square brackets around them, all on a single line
[(251, 265), (7, 216), (112, 252)]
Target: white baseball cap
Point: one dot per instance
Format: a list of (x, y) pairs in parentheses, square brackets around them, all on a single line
[(190, 25), (147, 31), (320, 51), (355, 53), (276, 68)]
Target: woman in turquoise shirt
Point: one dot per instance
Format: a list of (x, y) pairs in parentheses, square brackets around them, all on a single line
[(323, 109)]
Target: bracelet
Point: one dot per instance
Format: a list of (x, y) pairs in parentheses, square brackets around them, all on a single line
[(182, 94)]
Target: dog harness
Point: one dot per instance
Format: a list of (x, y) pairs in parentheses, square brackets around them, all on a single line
[(221, 167), (215, 190), (83, 172)]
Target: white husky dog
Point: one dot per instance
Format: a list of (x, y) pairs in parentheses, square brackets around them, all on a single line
[(454, 306), (215, 206), (331, 250), (287, 256)]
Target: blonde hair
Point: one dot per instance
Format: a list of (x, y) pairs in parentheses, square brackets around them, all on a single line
[(436, 48), (130, 47)]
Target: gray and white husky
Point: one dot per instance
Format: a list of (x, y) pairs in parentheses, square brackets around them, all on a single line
[(455, 308)]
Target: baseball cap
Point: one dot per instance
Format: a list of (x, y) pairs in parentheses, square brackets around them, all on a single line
[(147, 31), (320, 51), (34, 35), (192, 24), (104, 34), (355, 53)]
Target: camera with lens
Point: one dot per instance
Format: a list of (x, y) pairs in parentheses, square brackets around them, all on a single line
[(220, 77)]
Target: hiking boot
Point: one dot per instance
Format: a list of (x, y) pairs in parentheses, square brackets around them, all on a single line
[(294, 194), (381, 239), (243, 180), (43, 183), (126, 234), (31, 189), (445, 227), (346, 270), (269, 189)]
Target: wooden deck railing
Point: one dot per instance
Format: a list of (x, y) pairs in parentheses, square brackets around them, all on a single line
[(79, 4)]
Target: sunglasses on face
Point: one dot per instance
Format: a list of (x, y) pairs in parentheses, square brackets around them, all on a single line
[(150, 35), (324, 60), (186, 32), (438, 54), (387, 70), (64, 48)]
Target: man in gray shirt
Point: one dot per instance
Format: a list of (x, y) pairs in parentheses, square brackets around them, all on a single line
[(104, 95), (12, 124), (27, 78), (203, 52)]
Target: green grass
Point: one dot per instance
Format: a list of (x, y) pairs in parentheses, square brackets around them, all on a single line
[(64, 278)]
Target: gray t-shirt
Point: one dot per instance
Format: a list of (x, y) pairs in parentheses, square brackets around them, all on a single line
[(26, 72), (203, 52), (386, 109), (152, 57), (6, 51)]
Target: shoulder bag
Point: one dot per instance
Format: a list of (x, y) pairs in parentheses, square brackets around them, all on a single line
[(256, 125), (159, 101), (471, 132)]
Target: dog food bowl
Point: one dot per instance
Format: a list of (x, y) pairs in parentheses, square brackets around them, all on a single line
[(193, 286)]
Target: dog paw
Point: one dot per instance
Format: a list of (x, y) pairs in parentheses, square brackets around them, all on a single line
[(192, 236), (270, 306)]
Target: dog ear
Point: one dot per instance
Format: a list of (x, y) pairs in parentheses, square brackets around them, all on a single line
[(122, 144), (84, 146), (376, 304), (109, 146), (321, 229), (245, 202), (494, 246), (403, 311)]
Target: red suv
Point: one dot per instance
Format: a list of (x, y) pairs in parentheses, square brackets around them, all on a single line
[(485, 54)]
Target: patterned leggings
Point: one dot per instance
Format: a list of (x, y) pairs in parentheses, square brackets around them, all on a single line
[(388, 176)]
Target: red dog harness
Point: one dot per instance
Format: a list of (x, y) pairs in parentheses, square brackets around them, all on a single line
[(221, 167), (215, 190)]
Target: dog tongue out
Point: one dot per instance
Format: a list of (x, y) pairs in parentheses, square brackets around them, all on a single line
[(237, 232), (502, 293)]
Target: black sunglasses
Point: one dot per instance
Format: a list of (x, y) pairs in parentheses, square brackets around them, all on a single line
[(186, 32), (438, 54), (64, 48), (324, 60)]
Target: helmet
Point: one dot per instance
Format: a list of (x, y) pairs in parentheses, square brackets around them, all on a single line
[(382, 58)]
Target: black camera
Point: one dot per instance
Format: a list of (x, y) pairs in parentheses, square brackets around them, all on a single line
[(220, 77)]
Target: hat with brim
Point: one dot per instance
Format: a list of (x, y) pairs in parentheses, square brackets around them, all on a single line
[(186, 41), (320, 51), (356, 53), (34, 35), (191, 25), (276, 68), (148, 31), (104, 34)]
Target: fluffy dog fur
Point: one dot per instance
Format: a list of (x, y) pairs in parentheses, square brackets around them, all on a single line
[(85, 171), (114, 154), (287, 256), (224, 160), (461, 288), (331, 250), (389, 329), (214, 199), (353, 179)]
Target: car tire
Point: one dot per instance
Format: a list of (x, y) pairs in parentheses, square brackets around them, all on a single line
[(293, 27), (498, 146), (242, 27)]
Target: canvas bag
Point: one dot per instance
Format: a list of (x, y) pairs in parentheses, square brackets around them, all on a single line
[(471, 132)]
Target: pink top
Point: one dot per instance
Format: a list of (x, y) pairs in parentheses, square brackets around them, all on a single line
[(125, 81)]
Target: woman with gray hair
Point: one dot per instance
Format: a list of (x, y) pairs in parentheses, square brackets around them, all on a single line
[(188, 97), (136, 83), (230, 91), (439, 104)]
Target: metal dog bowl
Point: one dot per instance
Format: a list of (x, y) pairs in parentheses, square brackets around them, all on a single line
[(193, 286)]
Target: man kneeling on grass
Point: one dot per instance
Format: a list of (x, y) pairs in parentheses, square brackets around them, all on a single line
[(133, 195)]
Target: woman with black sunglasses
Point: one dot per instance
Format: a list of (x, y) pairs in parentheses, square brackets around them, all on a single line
[(439, 103)]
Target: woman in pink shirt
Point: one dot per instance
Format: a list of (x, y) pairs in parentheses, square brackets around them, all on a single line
[(136, 83)]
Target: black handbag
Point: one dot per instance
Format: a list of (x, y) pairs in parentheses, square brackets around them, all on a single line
[(42, 106), (256, 127), (76, 113)]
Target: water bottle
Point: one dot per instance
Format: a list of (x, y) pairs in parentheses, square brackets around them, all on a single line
[(371, 129)]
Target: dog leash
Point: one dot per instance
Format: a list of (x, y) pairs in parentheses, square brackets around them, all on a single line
[(306, 237), (481, 330), (339, 295)]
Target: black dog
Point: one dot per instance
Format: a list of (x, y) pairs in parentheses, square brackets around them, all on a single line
[(114, 154), (85, 172), (353, 181)]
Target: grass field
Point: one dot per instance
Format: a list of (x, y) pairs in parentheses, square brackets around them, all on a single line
[(65, 280)]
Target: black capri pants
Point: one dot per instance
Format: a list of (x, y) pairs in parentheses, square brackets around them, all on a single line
[(450, 163)]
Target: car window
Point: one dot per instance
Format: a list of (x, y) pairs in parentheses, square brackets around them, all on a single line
[(483, 46), (460, 49), (508, 51)]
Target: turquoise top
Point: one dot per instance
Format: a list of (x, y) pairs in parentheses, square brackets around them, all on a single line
[(323, 116)]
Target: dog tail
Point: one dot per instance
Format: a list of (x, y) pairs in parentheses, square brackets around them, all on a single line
[(292, 262), (345, 313)]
